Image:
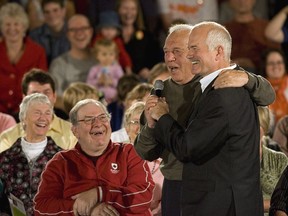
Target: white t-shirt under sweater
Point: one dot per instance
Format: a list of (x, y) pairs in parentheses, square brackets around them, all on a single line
[(33, 150)]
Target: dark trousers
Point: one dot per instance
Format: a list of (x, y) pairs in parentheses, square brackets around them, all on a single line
[(171, 198)]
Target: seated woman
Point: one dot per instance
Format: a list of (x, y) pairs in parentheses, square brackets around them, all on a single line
[(275, 72), (22, 164), (132, 126), (272, 163), (18, 54)]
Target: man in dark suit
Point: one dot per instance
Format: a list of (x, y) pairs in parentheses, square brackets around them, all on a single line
[(220, 146)]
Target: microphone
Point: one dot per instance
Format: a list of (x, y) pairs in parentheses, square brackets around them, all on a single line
[(158, 88)]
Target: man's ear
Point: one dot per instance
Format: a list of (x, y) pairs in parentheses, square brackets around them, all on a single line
[(74, 131), (220, 52)]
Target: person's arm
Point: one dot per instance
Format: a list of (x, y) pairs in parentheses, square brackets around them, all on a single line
[(274, 29), (42, 59), (279, 199), (135, 196), (50, 198), (260, 90), (280, 134), (266, 203), (280, 213), (192, 144)]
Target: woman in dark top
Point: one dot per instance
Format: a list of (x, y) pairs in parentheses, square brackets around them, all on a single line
[(142, 47)]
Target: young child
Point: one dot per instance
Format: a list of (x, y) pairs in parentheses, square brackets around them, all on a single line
[(105, 75), (109, 28)]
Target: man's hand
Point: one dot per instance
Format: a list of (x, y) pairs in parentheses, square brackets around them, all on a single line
[(84, 202), (231, 78), (104, 209), (161, 108), (280, 213), (149, 104)]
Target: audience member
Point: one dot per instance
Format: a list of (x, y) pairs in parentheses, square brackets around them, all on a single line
[(113, 178), (277, 28), (22, 164), (252, 41), (128, 135), (107, 72), (191, 11), (109, 28), (37, 81), (36, 15), (226, 12), (93, 9), (279, 200), (220, 144), (275, 72), (272, 163), (280, 134), (6, 121), (18, 54), (77, 91), (178, 92), (52, 34), (125, 85), (74, 65), (139, 93), (158, 72), (142, 47)]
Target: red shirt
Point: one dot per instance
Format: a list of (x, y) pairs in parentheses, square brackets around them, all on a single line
[(11, 74), (121, 177)]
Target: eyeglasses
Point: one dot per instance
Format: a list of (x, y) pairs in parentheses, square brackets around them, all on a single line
[(89, 120), (81, 29), (134, 122), (275, 63)]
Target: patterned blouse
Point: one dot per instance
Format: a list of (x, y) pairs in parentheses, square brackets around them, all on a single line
[(20, 177)]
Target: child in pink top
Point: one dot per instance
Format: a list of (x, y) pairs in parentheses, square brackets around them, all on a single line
[(105, 75)]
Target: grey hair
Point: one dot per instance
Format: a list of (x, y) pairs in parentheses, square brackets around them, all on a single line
[(217, 35), (179, 27), (137, 107), (15, 11), (74, 111), (31, 99)]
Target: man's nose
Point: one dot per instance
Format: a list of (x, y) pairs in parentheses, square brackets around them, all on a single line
[(170, 56)]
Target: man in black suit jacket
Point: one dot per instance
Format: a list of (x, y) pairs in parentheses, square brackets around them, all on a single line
[(220, 146)]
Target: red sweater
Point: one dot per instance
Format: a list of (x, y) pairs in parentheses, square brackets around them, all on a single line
[(11, 74), (121, 177)]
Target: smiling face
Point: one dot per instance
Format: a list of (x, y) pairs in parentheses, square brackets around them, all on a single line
[(133, 126), (128, 12), (79, 32), (93, 138), (204, 61), (275, 65), (54, 15), (175, 52), (37, 121), (46, 89), (13, 30)]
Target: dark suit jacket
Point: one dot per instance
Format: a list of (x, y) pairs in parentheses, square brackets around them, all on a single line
[(220, 151)]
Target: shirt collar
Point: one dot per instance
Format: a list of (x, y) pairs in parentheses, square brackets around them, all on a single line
[(56, 125), (205, 81)]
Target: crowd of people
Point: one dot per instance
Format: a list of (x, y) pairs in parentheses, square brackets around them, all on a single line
[(82, 131)]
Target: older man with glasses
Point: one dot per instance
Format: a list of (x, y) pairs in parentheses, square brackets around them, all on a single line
[(97, 177)]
